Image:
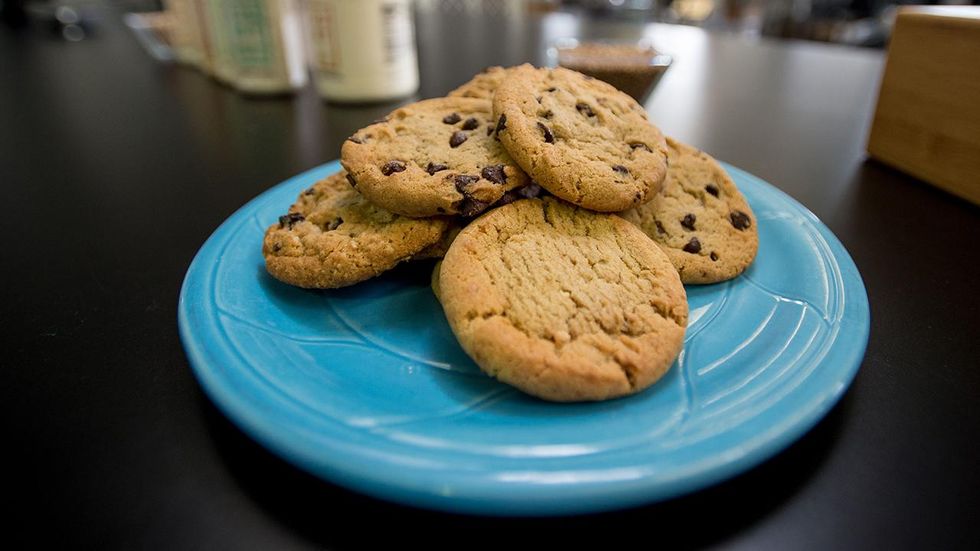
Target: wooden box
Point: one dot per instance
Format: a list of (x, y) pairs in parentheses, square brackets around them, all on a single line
[(927, 122)]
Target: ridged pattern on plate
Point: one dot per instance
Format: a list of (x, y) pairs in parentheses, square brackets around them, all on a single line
[(367, 387)]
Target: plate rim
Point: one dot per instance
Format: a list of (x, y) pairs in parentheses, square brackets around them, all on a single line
[(608, 497)]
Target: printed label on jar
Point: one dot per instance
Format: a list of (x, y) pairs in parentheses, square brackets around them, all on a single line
[(253, 44), (323, 30), (397, 25)]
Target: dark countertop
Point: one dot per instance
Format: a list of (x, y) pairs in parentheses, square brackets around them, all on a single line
[(115, 169)]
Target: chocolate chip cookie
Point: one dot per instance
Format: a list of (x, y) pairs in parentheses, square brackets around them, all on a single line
[(580, 138), (701, 219), (563, 303), (434, 157), (332, 237)]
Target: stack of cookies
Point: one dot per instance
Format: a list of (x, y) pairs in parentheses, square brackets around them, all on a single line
[(567, 222)]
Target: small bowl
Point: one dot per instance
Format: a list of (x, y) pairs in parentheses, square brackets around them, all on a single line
[(634, 67)]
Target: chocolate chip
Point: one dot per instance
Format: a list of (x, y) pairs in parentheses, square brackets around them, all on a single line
[(552, 89), (526, 192), (538, 99), (452, 118), (688, 221), (334, 224), (287, 220), (548, 136), (713, 255), (501, 124), (507, 198), (693, 246), (471, 207), (494, 173), (740, 220), (639, 145), (489, 130), (468, 206), (276, 247), (392, 167), (355, 139), (457, 138), (660, 227), (463, 181), (711, 189), (470, 124), (621, 169), (440, 210), (529, 191), (548, 114), (351, 180), (432, 168), (584, 109), (310, 191)]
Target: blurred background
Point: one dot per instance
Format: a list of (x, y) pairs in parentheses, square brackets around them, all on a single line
[(705, 70), (864, 23), (275, 47)]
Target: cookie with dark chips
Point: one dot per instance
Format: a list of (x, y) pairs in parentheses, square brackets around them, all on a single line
[(700, 220), (579, 138), (332, 237), (434, 157)]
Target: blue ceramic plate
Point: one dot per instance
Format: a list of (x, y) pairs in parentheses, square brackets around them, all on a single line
[(367, 388)]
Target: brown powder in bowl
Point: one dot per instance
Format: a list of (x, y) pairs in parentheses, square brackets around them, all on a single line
[(634, 69)]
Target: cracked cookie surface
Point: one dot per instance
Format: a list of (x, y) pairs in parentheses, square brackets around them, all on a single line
[(483, 84), (579, 138), (433, 157), (563, 303), (700, 220), (333, 237)]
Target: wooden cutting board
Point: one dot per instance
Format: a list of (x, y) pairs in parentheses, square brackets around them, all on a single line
[(927, 121)]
